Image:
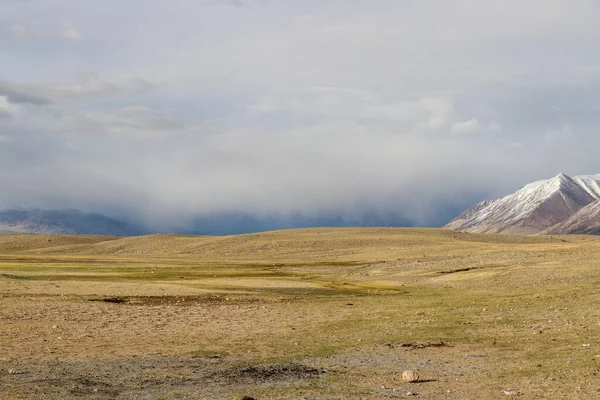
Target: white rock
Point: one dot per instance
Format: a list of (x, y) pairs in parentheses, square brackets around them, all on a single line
[(410, 376)]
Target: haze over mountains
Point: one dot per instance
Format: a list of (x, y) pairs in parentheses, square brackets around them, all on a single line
[(35, 220), (23, 220), (560, 205)]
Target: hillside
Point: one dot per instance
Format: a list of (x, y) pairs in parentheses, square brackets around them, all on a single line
[(296, 245)]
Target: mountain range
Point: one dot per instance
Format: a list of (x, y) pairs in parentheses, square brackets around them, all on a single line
[(34, 220), (560, 205)]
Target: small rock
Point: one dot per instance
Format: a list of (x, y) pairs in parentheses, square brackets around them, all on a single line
[(247, 398), (54, 326), (587, 345), (511, 392), (410, 376), (13, 371)]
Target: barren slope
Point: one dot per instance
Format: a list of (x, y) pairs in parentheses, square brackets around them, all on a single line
[(296, 245), (585, 222)]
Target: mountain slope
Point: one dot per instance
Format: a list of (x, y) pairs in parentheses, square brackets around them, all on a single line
[(20, 220), (585, 222), (535, 207)]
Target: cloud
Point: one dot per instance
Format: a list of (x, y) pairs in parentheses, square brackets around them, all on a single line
[(134, 122), (67, 31), (15, 94), (466, 128), (280, 109), (7, 110), (91, 85), (494, 126), (430, 113), (234, 3)]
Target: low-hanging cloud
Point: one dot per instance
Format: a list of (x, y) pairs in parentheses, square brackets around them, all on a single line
[(299, 112)]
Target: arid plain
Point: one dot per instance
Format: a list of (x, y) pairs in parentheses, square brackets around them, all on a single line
[(300, 314)]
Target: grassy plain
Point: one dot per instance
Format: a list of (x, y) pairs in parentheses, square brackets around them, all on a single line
[(307, 314)]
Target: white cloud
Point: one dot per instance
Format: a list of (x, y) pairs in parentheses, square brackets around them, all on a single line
[(466, 128), (7, 109), (20, 30), (494, 126), (427, 113), (132, 122), (67, 31)]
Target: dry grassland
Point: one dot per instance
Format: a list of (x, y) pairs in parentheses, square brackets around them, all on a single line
[(300, 314)]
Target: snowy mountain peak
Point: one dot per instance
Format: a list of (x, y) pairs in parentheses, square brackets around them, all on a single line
[(562, 181), (562, 176), (533, 208)]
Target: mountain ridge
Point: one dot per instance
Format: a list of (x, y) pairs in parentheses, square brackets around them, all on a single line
[(536, 208), (66, 221)]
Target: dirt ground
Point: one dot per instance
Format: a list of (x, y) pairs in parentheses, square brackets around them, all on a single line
[(332, 314)]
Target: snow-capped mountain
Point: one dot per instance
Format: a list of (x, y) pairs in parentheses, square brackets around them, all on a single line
[(24, 220), (536, 207)]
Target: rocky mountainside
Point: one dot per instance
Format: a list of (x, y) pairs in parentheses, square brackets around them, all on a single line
[(22, 220), (559, 205), (584, 222)]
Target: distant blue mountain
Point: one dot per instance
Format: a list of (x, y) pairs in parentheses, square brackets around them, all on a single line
[(22, 220), (35, 220), (238, 223)]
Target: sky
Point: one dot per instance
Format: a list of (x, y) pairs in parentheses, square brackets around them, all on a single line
[(347, 111)]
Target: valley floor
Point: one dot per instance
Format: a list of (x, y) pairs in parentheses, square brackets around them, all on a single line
[(306, 314)]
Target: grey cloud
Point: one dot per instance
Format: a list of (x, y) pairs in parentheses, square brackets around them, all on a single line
[(235, 3), (304, 108), (67, 31), (431, 112), (86, 86), (128, 122), (15, 94), (92, 85)]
